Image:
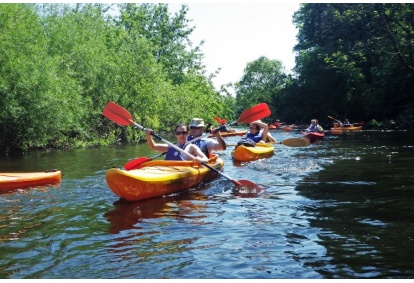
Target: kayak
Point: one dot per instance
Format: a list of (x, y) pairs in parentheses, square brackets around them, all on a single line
[(250, 153), (160, 177), (25, 180), (285, 128), (313, 136), (341, 130), (230, 134)]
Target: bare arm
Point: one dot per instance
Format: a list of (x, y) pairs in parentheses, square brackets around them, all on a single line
[(155, 146), (265, 128), (219, 139), (196, 152)]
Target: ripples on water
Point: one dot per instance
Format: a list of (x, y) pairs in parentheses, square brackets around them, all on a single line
[(342, 208)]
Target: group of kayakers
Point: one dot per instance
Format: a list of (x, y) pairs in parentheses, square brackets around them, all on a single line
[(202, 147), (315, 127)]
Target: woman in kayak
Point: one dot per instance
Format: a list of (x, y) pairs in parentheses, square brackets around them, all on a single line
[(181, 133), (259, 132)]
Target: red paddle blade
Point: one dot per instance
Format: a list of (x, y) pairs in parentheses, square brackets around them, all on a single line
[(135, 164), (117, 114), (217, 119), (250, 186), (254, 113)]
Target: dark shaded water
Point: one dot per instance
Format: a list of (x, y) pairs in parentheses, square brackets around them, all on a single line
[(342, 208)]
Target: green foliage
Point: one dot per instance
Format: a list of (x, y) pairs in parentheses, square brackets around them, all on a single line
[(356, 59), (35, 109), (61, 64), (262, 81)]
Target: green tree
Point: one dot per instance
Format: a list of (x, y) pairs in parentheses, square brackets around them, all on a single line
[(362, 51), (262, 82), (169, 36), (35, 101)]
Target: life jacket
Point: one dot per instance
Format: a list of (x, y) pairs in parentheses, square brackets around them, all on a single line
[(246, 142), (201, 143), (255, 138), (173, 154), (315, 128)]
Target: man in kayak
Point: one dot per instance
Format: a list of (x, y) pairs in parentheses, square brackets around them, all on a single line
[(314, 127), (207, 145), (346, 123), (181, 133)]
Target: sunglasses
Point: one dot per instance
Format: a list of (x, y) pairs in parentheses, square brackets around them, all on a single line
[(195, 128), (180, 133)]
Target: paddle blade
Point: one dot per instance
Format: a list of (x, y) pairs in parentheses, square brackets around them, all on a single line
[(217, 119), (136, 163), (296, 142), (246, 187), (254, 113), (117, 114)]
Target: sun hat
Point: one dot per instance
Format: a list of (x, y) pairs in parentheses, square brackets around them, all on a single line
[(197, 122)]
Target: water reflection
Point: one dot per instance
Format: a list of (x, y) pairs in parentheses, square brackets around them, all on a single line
[(182, 205)]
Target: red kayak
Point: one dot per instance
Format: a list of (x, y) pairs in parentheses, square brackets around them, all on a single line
[(313, 136)]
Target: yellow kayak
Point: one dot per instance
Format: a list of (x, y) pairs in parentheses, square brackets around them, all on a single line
[(246, 153), (25, 180), (160, 177)]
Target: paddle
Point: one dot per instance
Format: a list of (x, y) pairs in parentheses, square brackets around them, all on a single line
[(136, 163), (292, 142), (122, 117), (252, 114), (340, 123)]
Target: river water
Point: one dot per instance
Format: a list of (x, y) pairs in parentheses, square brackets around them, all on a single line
[(340, 208)]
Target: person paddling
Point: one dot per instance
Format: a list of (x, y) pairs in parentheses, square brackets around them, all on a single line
[(207, 145), (181, 133), (259, 132)]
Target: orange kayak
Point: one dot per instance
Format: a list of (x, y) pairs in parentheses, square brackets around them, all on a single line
[(25, 180), (230, 134), (285, 128), (340, 130), (160, 177)]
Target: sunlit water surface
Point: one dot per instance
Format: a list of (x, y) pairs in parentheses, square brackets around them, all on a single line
[(341, 208)]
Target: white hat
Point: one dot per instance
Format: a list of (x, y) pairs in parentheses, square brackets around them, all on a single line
[(197, 122)]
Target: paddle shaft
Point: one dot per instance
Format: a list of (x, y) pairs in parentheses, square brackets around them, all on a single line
[(187, 153), (335, 119)]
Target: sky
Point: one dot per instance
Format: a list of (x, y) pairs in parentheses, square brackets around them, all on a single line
[(236, 33)]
